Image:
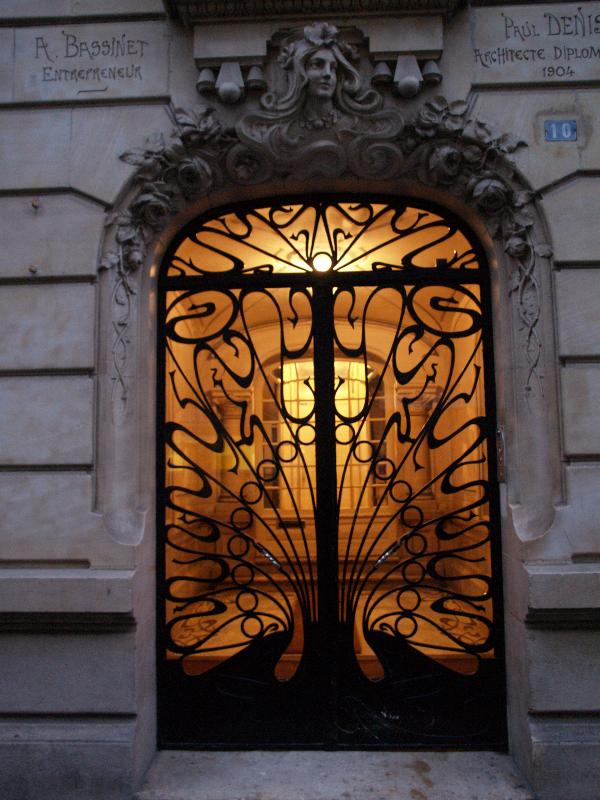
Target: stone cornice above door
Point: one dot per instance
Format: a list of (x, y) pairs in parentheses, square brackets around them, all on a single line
[(193, 13)]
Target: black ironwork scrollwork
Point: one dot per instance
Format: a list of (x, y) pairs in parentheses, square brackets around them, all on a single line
[(389, 410), (354, 236), (211, 371)]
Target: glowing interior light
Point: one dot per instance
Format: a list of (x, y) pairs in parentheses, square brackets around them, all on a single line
[(294, 259), (322, 262)]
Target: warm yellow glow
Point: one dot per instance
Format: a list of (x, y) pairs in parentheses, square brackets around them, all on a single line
[(262, 478), (297, 377), (343, 236), (298, 396), (322, 262)]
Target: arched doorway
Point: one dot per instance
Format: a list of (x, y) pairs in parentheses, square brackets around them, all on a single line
[(329, 536)]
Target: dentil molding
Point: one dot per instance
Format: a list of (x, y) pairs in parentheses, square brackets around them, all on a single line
[(191, 12)]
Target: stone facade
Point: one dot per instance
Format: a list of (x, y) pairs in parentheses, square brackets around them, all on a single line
[(94, 97)]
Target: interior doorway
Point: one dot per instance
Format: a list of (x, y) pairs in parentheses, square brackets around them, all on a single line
[(329, 536)]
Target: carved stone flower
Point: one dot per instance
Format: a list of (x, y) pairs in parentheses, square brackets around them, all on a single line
[(286, 56), (198, 126), (246, 168), (444, 164), (427, 121), (321, 34), (146, 159), (518, 247), (133, 258), (491, 195), (194, 175), (152, 207)]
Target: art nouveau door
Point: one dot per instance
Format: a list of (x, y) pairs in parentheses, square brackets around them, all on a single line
[(329, 538)]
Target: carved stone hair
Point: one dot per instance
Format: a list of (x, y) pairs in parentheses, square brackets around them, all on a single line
[(294, 58)]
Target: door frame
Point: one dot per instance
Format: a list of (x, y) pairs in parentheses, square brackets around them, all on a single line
[(482, 279)]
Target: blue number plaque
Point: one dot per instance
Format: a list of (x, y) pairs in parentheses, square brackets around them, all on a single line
[(560, 130)]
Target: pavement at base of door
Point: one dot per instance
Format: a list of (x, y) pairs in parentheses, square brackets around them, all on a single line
[(306, 775)]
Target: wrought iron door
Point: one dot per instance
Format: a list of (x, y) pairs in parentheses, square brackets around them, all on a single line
[(328, 559)]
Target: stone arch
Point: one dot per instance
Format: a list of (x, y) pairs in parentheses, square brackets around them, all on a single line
[(444, 154)]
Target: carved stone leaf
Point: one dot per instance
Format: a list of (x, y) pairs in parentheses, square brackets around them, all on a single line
[(515, 281), (472, 153), (505, 168), (140, 155), (453, 123), (183, 117), (134, 157), (458, 107), (175, 152), (518, 247), (479, 130), (523, 198), (126, 233), (155, 142), (523, 217), (543, 250), (438, 103), (108, 261), (159, 187), (508, 143), (117, 218)]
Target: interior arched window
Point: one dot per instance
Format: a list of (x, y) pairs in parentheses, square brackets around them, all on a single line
[(353, 380)]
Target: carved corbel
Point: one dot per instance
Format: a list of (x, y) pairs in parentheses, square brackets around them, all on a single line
[(405, 52), (408, 78), (231, 59)]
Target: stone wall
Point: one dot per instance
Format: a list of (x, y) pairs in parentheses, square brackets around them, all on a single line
[(82, 82), (72, 682)]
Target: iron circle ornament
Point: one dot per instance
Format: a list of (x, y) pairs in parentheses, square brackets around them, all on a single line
[(344, 433), (242, 574), (287, 451), (306, 434), (415, 543), (413, 573), (363, 451), (384, 468), (241, 519), (267, 470), (251, 492), (238, 546), (400, 491), (406, 625), (252, 626), (412, 516), (247, 601), (408, 600)]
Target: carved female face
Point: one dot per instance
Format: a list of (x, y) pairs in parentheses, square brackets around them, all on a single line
[(321, 74)]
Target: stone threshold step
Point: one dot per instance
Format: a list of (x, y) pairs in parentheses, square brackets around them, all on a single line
[(316, 775)]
